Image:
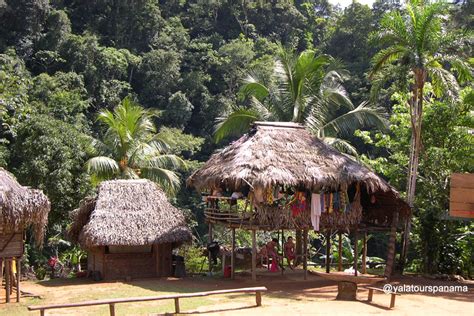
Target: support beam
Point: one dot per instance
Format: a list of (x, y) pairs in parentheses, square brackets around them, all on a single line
[(339, 252), (391, 246), (232, 256), (7, 280), (282, 251), (209, 237), (18, 275), (328, 251), (356, 251), (254, 256), (364, 254), (305, 253)]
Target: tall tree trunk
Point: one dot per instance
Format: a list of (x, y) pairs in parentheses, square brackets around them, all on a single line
[(416, 111)]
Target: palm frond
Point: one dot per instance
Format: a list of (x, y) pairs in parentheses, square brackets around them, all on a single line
[(363, 116), (235, 123), (341, 145), (168, 180), (102, 167)]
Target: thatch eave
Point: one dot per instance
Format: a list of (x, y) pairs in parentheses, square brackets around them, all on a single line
[(22, 207), (128, 213)]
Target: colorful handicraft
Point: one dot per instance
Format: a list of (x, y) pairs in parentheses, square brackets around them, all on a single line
[(298, 204)]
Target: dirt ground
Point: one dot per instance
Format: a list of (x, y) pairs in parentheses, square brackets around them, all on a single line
[(287, 295)]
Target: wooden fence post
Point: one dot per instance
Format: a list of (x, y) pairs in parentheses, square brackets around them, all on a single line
[(176, 305), (258, 298), (112, 309)]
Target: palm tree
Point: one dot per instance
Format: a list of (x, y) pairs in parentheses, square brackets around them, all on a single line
[(304, 88), (132, 149), (421, 49)]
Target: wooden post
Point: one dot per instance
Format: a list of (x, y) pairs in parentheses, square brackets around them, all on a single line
[(258, 298), (356, 252), (328, 251), (298, 246), (112, 309), (2, 263), (371, 294), (282, 251), (18, 275), (391, 246), (209, 237), (176, 305), (223, 262), (41, 312), (339, 251), (7, 280), (305, 253), (392, 300), (364, 254), (232, 256), (254, 256)]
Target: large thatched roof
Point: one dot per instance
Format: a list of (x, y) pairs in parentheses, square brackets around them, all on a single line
[(128, 213), (22, 207), (286, 154)]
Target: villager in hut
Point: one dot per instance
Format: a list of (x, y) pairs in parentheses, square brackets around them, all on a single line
[(289, 250)]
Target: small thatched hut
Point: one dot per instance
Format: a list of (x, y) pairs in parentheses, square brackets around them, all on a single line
[(279, 168), (129, 230), (21, 207)]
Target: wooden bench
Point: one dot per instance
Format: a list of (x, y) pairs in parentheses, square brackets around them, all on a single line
[(371, 294), (111, 302)]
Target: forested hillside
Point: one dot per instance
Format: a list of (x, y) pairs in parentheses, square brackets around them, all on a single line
[(62, 62)]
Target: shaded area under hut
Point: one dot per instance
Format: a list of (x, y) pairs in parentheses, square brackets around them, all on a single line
[(281, 177), (21, 207), (129, 230)]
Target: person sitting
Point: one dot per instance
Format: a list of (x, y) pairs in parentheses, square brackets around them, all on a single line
[(289, 251)]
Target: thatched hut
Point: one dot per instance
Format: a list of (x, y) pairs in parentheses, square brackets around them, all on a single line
[(21, 207), (284, 159), (129, 230)]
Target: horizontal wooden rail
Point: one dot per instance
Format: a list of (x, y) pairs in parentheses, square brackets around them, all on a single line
[(111, 302)]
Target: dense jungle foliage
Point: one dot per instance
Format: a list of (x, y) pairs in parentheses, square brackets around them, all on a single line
[(70, 69)]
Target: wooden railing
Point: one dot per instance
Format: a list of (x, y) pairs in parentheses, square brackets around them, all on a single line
[(112, 302)]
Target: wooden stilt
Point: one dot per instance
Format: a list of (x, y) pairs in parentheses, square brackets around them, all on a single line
[(232, 256), (254, 256), (391, 246), (7, 280), (356, 252), (339, 252), (282, 251), (364, 254), (2, 263), (298, 246), (18, 275), (305, 253), (209, 237), (328, 251), (223, 262)]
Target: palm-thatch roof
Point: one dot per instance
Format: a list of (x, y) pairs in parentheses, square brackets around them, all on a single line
[(128, 213), (286, 154), (22, 207)]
